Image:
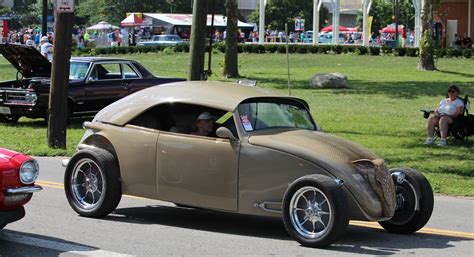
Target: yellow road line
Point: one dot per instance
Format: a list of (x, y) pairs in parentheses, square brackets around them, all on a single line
[(367, 224), (431, 231), (57, 185)]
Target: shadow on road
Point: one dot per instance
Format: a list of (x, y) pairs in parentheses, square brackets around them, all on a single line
[(205, 220), (360, 240), (13, 243), (371, 241)]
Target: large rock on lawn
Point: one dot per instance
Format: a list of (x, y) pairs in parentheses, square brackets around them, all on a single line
[(328, 80)]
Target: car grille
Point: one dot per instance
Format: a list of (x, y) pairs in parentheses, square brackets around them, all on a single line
[(17, 97), (381, 182)]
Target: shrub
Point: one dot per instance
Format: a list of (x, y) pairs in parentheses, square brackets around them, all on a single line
[(324, 49), (221, 46), (302, 49), (361, 50), (399, 51), (386, 50), (374, 50), (337, 49), (281, 49), (411, 51), (271, 48), (453, 52), (168, 50), (467, 53), (314, 49)]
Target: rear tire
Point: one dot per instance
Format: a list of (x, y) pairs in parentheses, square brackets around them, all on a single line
[(314, 211), (407, 219), (9, 119), (92, 183)]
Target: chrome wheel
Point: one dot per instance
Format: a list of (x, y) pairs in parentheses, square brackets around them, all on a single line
[(87, 184), (310, 212)]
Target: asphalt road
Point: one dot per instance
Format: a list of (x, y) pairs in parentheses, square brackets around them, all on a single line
[(144, 227)]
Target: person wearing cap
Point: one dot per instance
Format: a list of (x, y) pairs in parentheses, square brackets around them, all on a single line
[(46, 48), (204, 125)]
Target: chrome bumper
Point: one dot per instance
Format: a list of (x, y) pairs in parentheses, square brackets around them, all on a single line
[(23, 190)]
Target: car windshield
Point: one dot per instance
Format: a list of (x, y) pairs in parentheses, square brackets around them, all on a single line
[(173, 38), (78, 70), (270, 114)]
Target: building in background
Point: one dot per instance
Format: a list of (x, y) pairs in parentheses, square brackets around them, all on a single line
[(453, 17)]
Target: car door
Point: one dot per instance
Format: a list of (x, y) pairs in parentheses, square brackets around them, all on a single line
[(105, 85), (198, 171)]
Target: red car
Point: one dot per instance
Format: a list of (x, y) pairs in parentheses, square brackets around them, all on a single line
[(18, 173)]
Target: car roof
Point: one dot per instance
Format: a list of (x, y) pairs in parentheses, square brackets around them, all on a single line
[(98, 59), (220, 95)]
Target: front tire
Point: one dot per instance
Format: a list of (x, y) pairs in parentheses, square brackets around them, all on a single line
[(92, 183), (314, 211), (415, 203)]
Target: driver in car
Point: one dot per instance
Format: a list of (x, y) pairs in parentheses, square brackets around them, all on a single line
[(204, 125)]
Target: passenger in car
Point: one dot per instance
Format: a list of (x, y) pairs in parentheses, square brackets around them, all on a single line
[(204, 125)]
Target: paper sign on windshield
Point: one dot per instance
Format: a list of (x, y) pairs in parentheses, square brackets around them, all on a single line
[(246, 122)]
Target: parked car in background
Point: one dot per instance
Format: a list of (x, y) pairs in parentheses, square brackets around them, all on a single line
[(18, 173), (266, 156), (94, 82), (163, 40)]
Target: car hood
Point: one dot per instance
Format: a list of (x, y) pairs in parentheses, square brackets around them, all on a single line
[(6, 155), (27, 60), (333, 153)]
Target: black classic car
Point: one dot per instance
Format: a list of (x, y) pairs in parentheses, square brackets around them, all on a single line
[(94, 82)]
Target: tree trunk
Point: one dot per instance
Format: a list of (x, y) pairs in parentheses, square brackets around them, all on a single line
[(58, 105), (426, 42), (231, 68), (198, 40)]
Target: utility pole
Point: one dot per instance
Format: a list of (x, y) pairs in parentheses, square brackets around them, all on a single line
[(198, 40), (44, 19), (58, 105)]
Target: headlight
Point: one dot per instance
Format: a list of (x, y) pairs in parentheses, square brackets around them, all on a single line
[(29, 172), (31, 97)]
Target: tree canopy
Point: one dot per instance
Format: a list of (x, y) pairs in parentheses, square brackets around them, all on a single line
[(383, 12), (279, 12)]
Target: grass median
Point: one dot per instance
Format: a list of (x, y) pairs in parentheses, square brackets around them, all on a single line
[(380, 110)]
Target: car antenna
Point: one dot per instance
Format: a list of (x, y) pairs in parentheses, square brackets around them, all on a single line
[(287, 58)]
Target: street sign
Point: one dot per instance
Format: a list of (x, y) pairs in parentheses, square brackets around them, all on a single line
[(64, 6)]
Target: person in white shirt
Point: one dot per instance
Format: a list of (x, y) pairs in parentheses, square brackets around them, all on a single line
[(46, 48), (447, 110)]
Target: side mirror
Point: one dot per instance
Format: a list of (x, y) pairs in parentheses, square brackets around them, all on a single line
[(91, 79), (224, 132)]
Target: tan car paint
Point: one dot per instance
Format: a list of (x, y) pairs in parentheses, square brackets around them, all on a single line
[(219, 95), (198, 171), (331, 153), (196, 177)]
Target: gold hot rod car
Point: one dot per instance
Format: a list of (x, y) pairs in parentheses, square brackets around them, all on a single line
[(265, 156)]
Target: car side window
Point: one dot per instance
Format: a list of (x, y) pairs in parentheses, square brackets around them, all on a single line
[(108, 71), (129, 73), (181, 118)]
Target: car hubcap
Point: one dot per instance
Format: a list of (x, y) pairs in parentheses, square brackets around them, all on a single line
[(310, 212), (87, 184), (406, 204)]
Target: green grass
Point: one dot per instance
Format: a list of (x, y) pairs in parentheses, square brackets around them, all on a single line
[(380, 110)]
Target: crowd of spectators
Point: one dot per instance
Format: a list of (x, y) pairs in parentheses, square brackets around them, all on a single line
[(462, 43)]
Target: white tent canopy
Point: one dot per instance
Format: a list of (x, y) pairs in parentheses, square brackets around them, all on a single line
[(187, 19), (103, 25)]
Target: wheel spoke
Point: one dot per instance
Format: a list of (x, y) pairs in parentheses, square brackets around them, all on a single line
[(314, 226), (325, 213), (324, 225), (304, 221), (321, 203), (299, 209)]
